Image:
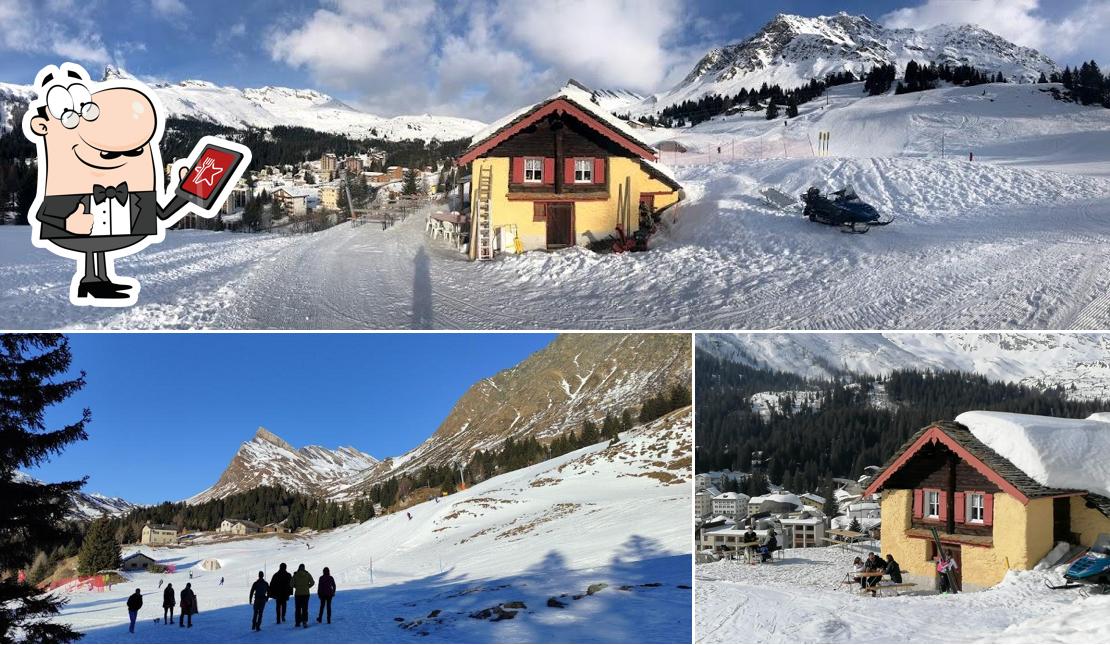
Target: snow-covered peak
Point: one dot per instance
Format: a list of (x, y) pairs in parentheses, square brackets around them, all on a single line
[(88, 506), (791, 49), (112, 72), (1059, 453)]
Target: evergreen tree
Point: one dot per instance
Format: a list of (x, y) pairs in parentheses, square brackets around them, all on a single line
[(408, 182), (829, 493), (31, 513), (791, 108), (854, 525), (1043, 78), (99, 550), (772, 110)]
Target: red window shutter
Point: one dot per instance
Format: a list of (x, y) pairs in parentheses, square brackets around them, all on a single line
[(549, 170), (539, 212), (518, 170), (599, 171), (960, 514), (918, 503), (988, 509), (943, 504), (568, 170)]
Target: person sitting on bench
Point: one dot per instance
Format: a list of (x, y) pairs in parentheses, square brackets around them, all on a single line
[(893, 570), (769, 546), (858, 568), (872, 564)]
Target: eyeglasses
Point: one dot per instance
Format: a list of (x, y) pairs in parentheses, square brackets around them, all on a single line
[(71, 104)]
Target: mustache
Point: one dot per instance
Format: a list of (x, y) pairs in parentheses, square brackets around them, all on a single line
[(108, 154)]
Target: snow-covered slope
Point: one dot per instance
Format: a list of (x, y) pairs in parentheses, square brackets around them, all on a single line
[(616, 516), (266, 107), (790, 50), (1040, 360), (800, 600), (90, 506), (267, 460), (576, 377)]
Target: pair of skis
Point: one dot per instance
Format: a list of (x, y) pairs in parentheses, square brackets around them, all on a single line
[(940, 551)]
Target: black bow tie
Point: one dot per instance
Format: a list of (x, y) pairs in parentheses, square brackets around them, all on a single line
[(119, 193)]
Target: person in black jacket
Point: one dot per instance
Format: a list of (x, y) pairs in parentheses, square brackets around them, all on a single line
[(258, 596), (326, 591), (281, 587), (893, 570), (188, 605), (169, 601), (134, 604)]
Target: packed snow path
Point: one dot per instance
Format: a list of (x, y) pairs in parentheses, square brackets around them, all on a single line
[(800, 599), (1009, 248)]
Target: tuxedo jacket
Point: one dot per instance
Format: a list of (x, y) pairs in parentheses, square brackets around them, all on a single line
[(145, 213)]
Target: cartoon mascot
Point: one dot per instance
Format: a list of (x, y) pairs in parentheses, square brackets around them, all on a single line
[(101, 190)]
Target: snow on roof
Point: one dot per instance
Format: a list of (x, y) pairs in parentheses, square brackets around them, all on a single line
[(575, 93), (789, 521), (727, 496), (712, 490), (784, 498), (815, 497), (1055, 452)]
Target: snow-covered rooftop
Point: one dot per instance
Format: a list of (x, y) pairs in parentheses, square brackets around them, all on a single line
[(576, 94), (728, 496), (1059, 453)]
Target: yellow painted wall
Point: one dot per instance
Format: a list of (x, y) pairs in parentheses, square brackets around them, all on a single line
[(594, 219), (1022, 537), (1087, 522)]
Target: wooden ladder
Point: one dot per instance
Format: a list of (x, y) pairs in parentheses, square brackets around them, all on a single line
[(484, 229)]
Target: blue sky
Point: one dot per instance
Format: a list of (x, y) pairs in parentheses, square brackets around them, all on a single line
[(475, 58), (170, 410)]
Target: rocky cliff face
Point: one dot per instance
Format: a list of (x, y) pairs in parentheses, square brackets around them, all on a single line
[(578, 376), (267, 460)]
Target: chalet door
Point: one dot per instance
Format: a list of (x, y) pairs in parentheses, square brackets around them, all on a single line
[(1061, 520), (560, 225), (956, 552)]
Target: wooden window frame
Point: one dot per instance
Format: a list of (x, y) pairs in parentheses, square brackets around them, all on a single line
[(588, 170), (927, 504), (969, 513), (537, 172)]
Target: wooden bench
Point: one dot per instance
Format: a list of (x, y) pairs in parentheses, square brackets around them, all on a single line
[(878, 589)]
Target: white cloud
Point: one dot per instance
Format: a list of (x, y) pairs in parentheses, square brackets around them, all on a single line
[(480, 58), (30, 28), (1083, 29), (616, 43), (169, 8)]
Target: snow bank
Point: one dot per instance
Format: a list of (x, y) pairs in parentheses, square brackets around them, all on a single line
[(1062, 453)]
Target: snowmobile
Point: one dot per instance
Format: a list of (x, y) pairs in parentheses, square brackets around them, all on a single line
[(1092, 569), (845, 209)]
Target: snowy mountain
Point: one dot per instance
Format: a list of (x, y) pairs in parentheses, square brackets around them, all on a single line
[(590, 546), (616, 101), (577, 376), (550, 393), (791, 49), (266, 107), (90, 506), (1037, 360), (267, 460)]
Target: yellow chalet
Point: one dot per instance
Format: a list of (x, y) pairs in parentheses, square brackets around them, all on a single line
[(1000, 489), (555, 175)]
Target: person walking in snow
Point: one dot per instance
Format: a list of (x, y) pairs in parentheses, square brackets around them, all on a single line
[(326, 591), (160, 581), (257, 599), (281, 587), (188, 605), (221, 582), (893, 570), (169, 601), (302, 590), (134, 604), (409, 514)]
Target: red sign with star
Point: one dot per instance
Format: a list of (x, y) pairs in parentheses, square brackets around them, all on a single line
[(206, 174)]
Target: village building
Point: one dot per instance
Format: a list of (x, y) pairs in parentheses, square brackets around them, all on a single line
[(807, 529), (137, 562), (554, 175), (329, 196), (812, 499), (239, 527), (329, 162), (733, 505), (703, 503), (971, 480), (394, 173), (276, 527), (353, 165), (776, 503), (294, 201), (716, 478), (159, 534)]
